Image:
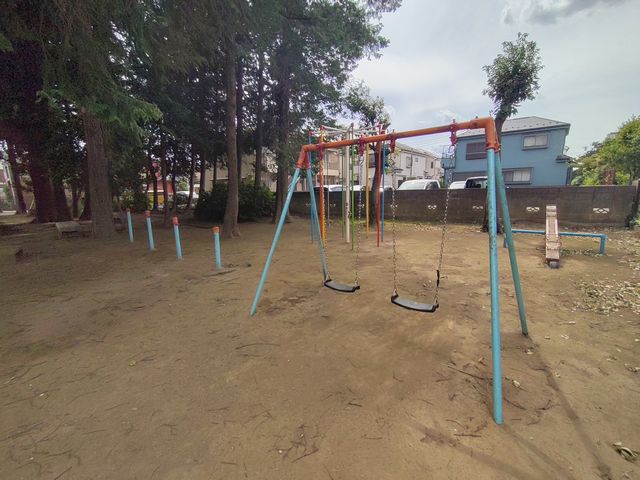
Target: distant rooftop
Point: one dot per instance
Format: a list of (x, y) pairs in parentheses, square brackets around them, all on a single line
[(408, 148), (520, 124)]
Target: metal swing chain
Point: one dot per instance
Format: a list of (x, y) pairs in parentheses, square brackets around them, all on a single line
[(444, 233), (323, 241), (393, 222), (358, 226)]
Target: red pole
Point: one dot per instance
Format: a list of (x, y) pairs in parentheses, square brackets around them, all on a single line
[(379, 163)]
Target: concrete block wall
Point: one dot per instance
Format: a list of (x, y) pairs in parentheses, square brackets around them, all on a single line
[(601, 205)]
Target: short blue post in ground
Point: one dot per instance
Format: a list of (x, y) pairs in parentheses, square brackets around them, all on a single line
[(129, 225), (508, 238), (152, 245), (176, 233), (493, 275), (274, 244), (216, 247)]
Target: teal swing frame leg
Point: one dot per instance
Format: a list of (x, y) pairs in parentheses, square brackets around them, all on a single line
[(276, 237)]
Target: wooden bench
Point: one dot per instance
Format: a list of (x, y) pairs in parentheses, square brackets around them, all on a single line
[(72, 228)]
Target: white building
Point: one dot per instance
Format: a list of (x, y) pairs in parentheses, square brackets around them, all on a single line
[(410, 163)]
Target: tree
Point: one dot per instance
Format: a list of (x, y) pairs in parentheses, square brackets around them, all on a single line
[(623, 151), (230, 226), (372, 113), (513, 77), (614, 160)]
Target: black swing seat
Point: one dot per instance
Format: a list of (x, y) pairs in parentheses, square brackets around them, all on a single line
[(411, 305), (340, 287)]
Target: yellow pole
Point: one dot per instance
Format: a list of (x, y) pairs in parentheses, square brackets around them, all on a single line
[(366, 170)]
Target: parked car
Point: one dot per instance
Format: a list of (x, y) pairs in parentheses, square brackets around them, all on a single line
[(420, 184), (475, 182), (471, 182), (457, 185)]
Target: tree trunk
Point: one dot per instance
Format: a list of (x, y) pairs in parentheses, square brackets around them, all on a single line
[(42, 191), (215, 174), (282, 123), (203, 170), (99, 185), (75, 198), (21, 206), (192, 174), (174, 203), (259, 124), (165, 185), (154, 180), (485, 213), (230, 226), (239, 116), (60, 197)]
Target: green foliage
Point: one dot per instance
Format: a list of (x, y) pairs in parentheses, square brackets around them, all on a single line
[(136, 201), (513, 76), (618, 153), (370, 109), (255, 202)]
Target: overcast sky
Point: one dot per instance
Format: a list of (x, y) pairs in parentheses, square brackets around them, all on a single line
[(432, 70)]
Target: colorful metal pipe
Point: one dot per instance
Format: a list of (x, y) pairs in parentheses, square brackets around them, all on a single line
[(384, 167), (216, 247), (486, 123), (129, 225), (325, 271), (493, 276), (152, 245), (176, 234), (601, 236), (508, 238)]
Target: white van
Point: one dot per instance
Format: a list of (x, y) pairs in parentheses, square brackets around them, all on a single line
[(420, 184)]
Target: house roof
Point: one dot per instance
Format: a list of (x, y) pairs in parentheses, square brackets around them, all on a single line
[(403, 147), (520, 124)]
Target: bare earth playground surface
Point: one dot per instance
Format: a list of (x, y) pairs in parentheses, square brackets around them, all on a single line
[(120, 363)]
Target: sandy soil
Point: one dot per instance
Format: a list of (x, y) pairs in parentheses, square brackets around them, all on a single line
[(119, 363)]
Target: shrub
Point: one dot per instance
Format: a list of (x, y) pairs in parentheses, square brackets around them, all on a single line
[(136, 201), (255, 202)]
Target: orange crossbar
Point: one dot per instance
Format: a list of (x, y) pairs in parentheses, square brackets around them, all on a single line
[(486, 123)]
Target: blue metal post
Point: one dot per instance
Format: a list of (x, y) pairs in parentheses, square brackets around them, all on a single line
[(495, 299), (314, 213), (152, 245), (508, 236), (384, 166), (176, 234), (603, 240), (274, 244), (129, 225), (216, 247)]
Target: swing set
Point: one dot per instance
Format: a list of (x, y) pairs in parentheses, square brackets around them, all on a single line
[(495, 190)]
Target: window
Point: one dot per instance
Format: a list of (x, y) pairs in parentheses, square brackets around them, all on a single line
[(432, 165), (521, 175), (409, 162), (540, 140), (476, 151)]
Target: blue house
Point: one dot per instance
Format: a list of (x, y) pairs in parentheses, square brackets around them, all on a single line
[(532, 153)]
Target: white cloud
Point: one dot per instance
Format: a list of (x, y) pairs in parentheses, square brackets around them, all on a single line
[(432, 70)]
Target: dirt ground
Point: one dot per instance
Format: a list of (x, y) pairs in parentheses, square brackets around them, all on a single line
[(120, 363)]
